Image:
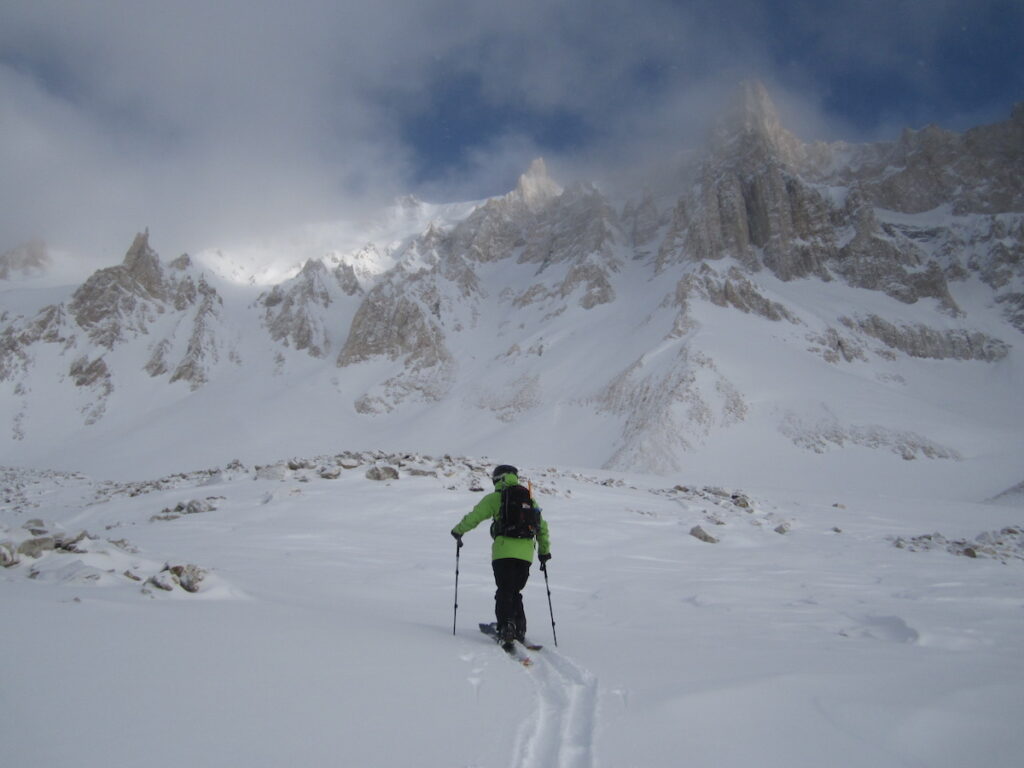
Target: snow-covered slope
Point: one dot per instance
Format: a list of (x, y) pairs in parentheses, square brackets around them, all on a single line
[(302, 613)]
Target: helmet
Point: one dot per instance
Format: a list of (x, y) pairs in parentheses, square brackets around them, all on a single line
[(501, 470)]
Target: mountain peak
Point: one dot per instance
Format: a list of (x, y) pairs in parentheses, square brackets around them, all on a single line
[(752, 119), (753, 105), (143, 264), (535, 187), (139, 249)]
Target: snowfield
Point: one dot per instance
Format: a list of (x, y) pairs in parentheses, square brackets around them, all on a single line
[(818, 629)]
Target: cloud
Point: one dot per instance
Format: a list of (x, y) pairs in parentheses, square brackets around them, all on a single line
[(210, 122)]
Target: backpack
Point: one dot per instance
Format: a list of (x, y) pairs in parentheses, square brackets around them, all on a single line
[(517, 517)]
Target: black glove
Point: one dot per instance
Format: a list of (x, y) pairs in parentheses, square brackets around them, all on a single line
[(543, 560), (458, 538)]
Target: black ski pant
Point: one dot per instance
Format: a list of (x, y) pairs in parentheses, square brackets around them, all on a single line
[(510, 576)]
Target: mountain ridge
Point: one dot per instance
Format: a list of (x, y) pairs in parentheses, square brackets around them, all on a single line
[(622, 337)]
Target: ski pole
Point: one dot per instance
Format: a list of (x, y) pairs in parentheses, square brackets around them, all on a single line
[(458, 546), (544, 567)]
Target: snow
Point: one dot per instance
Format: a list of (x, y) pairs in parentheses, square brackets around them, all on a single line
[(343, 241), (837, 619), (322, 632)]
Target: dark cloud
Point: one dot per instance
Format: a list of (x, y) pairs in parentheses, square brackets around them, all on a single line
[(209, 122)]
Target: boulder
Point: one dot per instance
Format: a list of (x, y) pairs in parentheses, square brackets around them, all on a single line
[(188, 576), (699, 533), (36, 546), (8, 554)]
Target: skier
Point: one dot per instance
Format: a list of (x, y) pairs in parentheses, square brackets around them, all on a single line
[(511, 555)]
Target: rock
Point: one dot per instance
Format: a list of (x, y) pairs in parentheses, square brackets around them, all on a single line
[(164, 516), (8, 554), (188, 576), (163, 581), (782, 529), (928, 343), (35, 547), (330, 473), (198, 506), (293, 310), (272, 472), (699, 533), (422, 473), (382, 473), (70, 543)]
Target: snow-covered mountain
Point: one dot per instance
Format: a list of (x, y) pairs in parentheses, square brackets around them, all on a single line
[(228, 478), (824, 312)]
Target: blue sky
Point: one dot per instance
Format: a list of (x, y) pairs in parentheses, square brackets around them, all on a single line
[(214, 121)]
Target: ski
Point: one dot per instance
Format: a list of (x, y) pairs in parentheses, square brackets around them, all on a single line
[(491, 630)]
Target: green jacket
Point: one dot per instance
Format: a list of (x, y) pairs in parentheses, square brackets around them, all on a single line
[(504, 546)]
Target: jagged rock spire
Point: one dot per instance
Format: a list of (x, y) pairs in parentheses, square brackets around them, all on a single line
[(535, 187), (751, 124)]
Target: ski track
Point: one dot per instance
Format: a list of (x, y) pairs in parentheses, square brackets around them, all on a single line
[(560, 731)]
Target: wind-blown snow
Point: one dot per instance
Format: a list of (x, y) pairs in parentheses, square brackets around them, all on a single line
[(342, 241), (322, 631)]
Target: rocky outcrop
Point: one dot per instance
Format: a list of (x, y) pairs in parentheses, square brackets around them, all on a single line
[(980, 171), (750, 202), (826, 432), (499, 227), (119, 301), (96, 376), (295, 313), (392, 324), (735, 290), (767, 200), (921, 341)]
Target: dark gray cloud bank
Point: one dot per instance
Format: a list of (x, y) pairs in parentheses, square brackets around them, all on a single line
[(212, 122)]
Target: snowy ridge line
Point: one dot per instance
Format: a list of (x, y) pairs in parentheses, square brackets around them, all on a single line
[(561, 729)]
